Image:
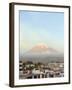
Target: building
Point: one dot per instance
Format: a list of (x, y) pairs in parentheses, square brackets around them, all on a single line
[(20, 68)]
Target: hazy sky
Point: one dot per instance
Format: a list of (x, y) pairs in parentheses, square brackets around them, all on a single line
[(41, 27)]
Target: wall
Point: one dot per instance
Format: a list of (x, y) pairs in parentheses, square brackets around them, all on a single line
[(4, 44)]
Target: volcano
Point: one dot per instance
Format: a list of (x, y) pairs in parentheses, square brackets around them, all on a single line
[(42, 48), (42, 53)]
